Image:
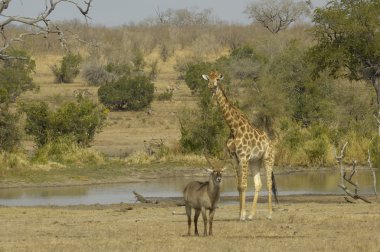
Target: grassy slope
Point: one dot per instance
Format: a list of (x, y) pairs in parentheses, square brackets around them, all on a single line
[(125, 132)]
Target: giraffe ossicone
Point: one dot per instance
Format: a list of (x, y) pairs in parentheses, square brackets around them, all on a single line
[(249, 146)]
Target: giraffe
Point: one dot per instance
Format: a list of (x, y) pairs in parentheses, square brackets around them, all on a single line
[(250, 147)]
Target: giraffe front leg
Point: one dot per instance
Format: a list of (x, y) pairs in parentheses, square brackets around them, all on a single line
[(242, 187)]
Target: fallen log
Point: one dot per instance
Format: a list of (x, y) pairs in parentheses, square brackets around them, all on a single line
[(142, 199)]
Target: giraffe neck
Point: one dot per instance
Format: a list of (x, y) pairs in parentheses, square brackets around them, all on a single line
[(225, 106)]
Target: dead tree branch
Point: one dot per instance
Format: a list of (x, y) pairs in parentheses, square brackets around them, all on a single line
[(142, 199), (355, 195), (339, 159), (39, 25)]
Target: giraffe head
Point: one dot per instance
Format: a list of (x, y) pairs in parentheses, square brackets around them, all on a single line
[(213, 77)]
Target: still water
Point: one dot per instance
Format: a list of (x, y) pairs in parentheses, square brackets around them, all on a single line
[(287, 184)]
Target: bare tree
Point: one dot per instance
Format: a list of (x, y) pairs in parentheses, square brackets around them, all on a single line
[(339, 160), (348, 178), (277, 15), (354, 195), (182, 17), (37, 25)]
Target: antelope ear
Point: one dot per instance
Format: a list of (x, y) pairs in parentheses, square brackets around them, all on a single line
[(205, 76), (220, 77), (208, 170), (223, 169)]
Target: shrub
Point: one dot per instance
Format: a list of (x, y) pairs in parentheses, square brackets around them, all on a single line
[(202, 130), (119, 69), (138, 60), (98, 75), (12, 161), (375, 152), (15, 76), (79, 121), (193, 75), (127, 93), (165, 96), (69, 68), (64, 150), (9, 131)]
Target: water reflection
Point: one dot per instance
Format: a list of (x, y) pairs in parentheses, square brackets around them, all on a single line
[(294, 183)]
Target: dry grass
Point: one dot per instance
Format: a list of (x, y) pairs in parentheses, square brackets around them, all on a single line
[(125, 132), (295, 227)]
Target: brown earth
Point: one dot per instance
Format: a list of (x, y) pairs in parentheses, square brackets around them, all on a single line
[(300, 223)]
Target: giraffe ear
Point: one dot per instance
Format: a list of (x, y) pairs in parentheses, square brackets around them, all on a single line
[(205, 76), (220, 77)]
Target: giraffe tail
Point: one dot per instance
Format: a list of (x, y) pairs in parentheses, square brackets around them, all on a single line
[(274, 188)]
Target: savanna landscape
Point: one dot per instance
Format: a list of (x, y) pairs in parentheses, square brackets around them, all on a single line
[(126, 104)]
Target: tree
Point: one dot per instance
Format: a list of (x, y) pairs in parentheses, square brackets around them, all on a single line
[(9, 132), (15, 75), (277, 15), (183, 17), (15, 78), (348, 42), (39, 25)]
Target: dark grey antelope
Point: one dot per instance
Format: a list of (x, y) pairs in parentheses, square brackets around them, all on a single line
[(203, 196)]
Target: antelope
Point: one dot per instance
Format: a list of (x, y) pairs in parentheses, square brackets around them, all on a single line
[(203, 196)]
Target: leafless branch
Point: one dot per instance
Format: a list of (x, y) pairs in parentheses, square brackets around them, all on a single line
[(355, 195), (339, 159), (39, 25)]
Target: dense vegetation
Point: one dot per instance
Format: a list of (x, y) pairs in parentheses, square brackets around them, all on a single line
[(310, 97)]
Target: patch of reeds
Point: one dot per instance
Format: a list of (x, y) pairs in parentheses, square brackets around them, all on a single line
[(66, 152)]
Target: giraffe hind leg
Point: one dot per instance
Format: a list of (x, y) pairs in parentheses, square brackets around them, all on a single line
[(268, 164), (255, 169), (242, 187)]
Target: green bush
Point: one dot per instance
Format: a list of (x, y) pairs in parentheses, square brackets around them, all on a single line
[(15, 76), (76, 120), (202, 130), (9, 131), (69, 68), (127, 93), (119, 69), (193, 75)]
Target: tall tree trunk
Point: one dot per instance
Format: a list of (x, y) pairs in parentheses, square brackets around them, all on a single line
[(376, 84)]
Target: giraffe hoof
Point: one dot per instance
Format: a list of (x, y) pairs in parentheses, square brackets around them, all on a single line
[(269, 217), (242, 218), (250, 217)]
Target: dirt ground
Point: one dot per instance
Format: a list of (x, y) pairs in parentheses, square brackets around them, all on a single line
[(300, 223)]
